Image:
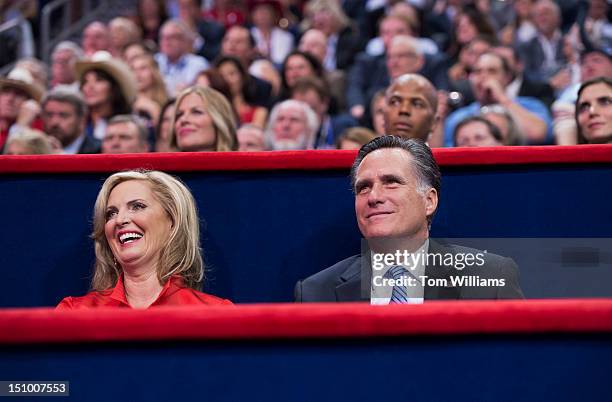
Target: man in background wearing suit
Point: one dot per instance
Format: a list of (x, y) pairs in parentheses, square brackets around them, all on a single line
[(64, 117), (397, 183)]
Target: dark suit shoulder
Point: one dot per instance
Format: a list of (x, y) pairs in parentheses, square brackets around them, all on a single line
[(321, 286), (90, 145)]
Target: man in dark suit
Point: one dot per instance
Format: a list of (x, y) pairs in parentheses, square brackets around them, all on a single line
[(63, 115), (396, 183), (543, 55)]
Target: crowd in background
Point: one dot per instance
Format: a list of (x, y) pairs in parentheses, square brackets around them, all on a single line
[(252, 75)]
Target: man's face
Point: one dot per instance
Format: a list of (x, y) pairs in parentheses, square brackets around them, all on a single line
[(315, 43), (290, 129), (388, 203), (392, 27), (10, 102), (475, 134), (545, 18), (95, 37), (250, 139), (123, 138), (402, 58), (172, 42), (236, 43), (61, 121), (297, 67), (408, 112), (595, 65), (62, 67), (488, 67)]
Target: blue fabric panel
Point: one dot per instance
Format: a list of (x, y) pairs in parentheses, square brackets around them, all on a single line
[(495, 368), (262, 231)]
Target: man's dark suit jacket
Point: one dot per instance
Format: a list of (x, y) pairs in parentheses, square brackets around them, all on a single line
[(90, 145), (533, 58), (342, 282), (212, 33)]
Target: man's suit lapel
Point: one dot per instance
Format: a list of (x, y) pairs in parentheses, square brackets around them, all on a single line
[(350, 287), (436, 271)]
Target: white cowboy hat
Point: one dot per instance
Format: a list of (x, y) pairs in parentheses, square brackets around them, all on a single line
[(21, 79)]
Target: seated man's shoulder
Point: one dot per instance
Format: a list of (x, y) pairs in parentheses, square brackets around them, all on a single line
[(336, 271), (322, 285)]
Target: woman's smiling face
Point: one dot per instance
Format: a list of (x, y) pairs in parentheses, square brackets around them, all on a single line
[(137, 227)]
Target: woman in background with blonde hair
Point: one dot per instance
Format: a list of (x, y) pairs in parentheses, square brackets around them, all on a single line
[(148, 79), (203, 121)]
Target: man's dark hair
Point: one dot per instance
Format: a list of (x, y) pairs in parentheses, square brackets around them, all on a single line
[(493, 129), (305, 84), (504, 62), (583, 86), (424, 165), (66, 96)]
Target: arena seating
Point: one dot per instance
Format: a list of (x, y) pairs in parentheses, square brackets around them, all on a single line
[(270, 219)]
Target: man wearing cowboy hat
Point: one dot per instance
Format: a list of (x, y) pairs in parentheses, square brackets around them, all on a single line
[(16, 88)]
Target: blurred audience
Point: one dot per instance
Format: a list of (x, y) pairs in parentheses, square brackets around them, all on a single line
[(595, 62), (149, 81), (250, 138), (64, 114), (63, 64), (208, 34), (163, 130), (594, 111), (477, 131), (272, 42), (292, 126), (238, 42), (242, 89), (342, 36), (489, 79), (315, 93), (355, 138), (203, 121), (125, 134), (27, 141), (150, 16), (123, 32), (18, 95), (96, 37), (177, 64), (109, 88)]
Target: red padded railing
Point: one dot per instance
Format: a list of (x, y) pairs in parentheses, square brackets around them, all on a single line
[(293, 321), (294, 160)]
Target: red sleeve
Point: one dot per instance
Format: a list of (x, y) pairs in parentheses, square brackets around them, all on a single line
[(65, 304)]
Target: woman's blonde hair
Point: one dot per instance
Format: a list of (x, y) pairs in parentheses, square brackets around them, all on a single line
[(182, 256), (157, 92), (220, 111)]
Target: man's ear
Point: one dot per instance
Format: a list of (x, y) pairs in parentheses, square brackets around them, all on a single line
[(431, 201)]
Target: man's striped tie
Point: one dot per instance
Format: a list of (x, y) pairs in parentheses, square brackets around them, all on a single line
[(400, 293)]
